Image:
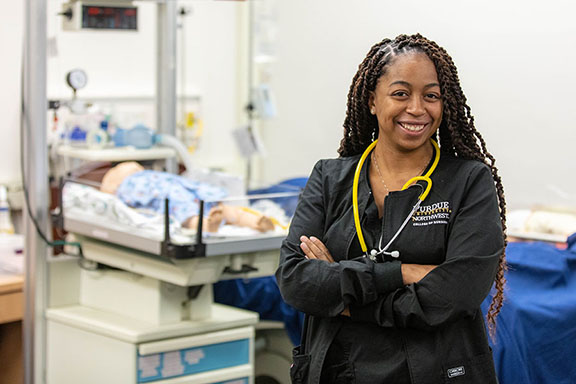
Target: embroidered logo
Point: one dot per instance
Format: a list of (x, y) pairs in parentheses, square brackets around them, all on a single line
[(455, 372), (437, 213)]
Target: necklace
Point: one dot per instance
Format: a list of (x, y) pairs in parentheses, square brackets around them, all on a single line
[(380, 173)]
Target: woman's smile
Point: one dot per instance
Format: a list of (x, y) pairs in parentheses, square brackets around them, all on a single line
[(413, 127)]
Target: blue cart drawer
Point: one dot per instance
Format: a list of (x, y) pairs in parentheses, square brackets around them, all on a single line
[(235, 381), (191, 355)]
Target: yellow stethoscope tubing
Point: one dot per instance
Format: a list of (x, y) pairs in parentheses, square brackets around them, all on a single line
[(422, 196), (426, 177), (355, 195)]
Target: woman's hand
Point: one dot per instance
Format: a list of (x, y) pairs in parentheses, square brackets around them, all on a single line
[(413, 273), (313, 248)]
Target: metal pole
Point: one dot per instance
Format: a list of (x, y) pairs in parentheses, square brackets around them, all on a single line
[(166, 71), (35, 157), (251, 107)]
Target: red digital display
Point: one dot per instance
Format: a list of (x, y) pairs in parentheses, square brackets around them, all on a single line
[(92, 11), (103, 17)]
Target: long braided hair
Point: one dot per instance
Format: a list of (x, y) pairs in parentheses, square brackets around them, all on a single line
[(457, 135)]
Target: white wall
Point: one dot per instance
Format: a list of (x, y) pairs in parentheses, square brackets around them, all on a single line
[(10, 65), (515, 60)]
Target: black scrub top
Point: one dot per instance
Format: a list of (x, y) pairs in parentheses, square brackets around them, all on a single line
[(385, 360)]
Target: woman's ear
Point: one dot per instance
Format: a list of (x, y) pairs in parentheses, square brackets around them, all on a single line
[(371, 104)]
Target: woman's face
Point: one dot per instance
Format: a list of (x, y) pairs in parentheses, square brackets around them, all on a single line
[(407, 102)]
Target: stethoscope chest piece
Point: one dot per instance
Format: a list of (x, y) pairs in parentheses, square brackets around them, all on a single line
[(374, 253)]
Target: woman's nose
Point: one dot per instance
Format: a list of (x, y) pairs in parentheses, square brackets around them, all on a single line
[(415, 106)]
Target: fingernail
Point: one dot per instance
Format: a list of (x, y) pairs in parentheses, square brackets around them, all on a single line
[(302, 238)]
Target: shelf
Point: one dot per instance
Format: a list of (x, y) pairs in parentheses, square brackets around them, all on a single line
[(117, 154), (125, 328), (112, 97)]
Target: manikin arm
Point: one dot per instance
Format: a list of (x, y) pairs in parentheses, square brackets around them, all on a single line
[(233, 215)]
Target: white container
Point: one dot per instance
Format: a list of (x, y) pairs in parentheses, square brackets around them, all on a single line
[(12, 253), (6, 226)]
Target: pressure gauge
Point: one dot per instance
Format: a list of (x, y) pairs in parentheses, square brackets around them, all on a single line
[(76, 79)]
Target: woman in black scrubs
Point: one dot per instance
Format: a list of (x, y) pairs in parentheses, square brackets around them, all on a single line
[(412, 315)]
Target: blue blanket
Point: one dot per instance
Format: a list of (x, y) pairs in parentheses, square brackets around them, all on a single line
[(536, 329), (261, 295)]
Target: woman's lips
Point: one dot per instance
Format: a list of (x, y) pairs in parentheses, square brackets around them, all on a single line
[(413, 127)]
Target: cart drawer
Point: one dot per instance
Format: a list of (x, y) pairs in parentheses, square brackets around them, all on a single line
[(237, 375), (195, 354), (11, 307)]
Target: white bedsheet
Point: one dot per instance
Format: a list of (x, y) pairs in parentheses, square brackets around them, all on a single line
[(78, 198), (84, 201)]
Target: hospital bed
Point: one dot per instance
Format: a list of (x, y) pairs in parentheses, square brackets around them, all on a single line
[(137, 307)]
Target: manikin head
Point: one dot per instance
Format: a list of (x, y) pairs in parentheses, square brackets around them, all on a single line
[(116, 175)]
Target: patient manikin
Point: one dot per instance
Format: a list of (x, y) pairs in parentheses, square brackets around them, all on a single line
[(140, 188)]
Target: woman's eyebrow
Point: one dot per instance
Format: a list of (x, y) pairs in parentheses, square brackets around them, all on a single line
[(400, 82), (407, 84), (432, 85)]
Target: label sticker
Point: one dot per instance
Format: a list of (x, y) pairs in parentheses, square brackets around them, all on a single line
[(457, 371)]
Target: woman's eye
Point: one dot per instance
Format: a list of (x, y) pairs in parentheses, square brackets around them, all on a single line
[(400, 94), (433, 96)]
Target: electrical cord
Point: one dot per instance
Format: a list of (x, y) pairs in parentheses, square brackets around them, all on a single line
[(24, 126)]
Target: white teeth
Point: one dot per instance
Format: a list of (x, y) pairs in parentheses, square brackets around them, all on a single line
[(413, 128)]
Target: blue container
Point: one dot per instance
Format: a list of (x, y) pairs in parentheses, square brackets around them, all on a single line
[(140, 137), (119, 137), (77, 136)]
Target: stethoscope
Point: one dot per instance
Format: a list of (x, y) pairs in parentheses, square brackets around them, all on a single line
[(426, 178)]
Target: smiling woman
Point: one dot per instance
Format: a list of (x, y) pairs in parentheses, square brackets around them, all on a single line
[(407, 103), (409, 313)]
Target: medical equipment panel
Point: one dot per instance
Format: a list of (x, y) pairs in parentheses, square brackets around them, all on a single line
[(195, 354), (99, 15)]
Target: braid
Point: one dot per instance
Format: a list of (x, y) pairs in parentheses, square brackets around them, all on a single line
[(456, 135)]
